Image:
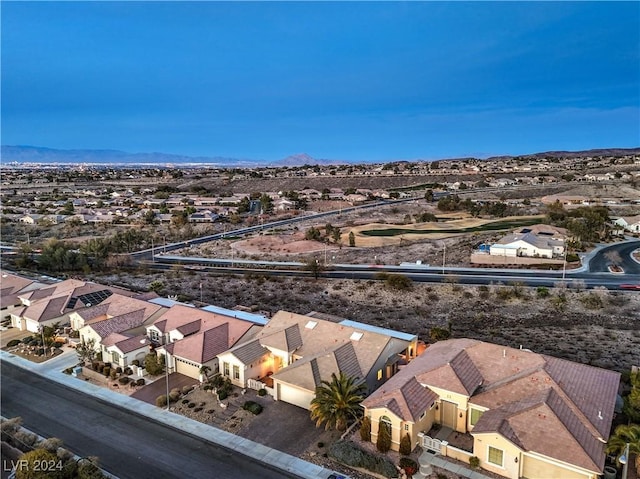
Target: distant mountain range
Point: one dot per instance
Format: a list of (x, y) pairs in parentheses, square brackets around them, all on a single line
[(41, 155)]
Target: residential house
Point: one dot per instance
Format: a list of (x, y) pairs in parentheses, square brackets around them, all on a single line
[(193, 338), (54, 304), (537, 241), (12, 286), (629, 223), (294, 353), (527, 415)]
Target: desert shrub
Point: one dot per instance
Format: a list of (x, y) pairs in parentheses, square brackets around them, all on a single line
[(27, 340), (185, 401), (474, 462), (572, 258), (40, 352), (405, 445), (10, 426), (107, 365), (186, 389), (68, 370), (161, 401), (140, 382), (94, 365), (320, 445), (113, 374), (350, 454), (253, 407), (592, 301), (542, 291), (210, 411), (191, 405), (124, 380), (106, 371), (365, 429), (198, 409), (128, 371), (51, 444), (13, 342), (262, 392), (88, 469), (25, 437), (383, 443), (222, 395), (398, 282), (29, 470), (207, 387), (409, 465), (439, 334), (174, 395), (119, 370), (135, 362)]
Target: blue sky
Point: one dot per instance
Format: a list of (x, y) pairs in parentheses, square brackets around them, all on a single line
[(354, 81)]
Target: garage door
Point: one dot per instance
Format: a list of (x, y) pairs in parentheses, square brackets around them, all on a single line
[(298, 397), (187, 368), (533, 468)]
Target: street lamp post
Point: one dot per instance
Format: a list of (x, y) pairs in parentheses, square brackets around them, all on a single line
[(444, 257), (624, 460), (564, 263), (166, 367), (44, 346)]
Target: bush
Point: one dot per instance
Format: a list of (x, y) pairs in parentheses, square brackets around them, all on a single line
[(27, 340), (198, 409), (58, 344), (140, 382), (262, 392), (191, 405), (13, 342), (119, 370), (398, 282), (542, 292), (365, 429), (174, 395), (186, 389), (38, 457), (68, 371), (383, 443), (439, 334), (253, 407), (113, 374), (474, 462), (161, 401), (350, 454), (124, 380), (185, 401), (207, 387), (405, 445), (409, 465), (128, 371), (222, 395), (106, 371), (135, 362)]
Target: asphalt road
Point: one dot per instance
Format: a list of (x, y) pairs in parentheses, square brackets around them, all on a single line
[(601, 262), (129, 446)]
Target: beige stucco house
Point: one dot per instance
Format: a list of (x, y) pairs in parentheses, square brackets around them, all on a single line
[(192, 338), (293, 354), (527, 414), (537, 241)]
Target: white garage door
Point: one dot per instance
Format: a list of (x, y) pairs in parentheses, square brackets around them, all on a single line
[(536, 469), (295, 396), (187, 368)]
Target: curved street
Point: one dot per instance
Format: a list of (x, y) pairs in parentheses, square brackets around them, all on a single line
[(619, 253)]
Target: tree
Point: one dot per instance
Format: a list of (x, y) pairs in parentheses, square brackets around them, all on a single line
[(352, 239), (312, 234), (86, 350), (365, 429), (314, 266), (622, 436), (337, 401), (632, 400), (405, 445), (383, 443), (153, 365), (204, 372), (428, 195)]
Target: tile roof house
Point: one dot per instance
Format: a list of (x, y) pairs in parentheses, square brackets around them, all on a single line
[(12, 285), (629, 223), (540, 240), (55, 303), (193, 337), (293, 354), (529, 415)]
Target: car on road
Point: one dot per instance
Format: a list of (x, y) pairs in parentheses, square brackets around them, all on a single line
[(632, 287)]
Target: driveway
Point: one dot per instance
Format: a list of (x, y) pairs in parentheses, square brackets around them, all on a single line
[(151, 391), (284, 427), (7, 335)]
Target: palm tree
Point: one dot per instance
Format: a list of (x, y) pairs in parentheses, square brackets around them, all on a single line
[(625, 435), (337, 401)]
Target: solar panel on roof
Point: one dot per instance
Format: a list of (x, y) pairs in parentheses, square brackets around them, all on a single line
[(89, 299)]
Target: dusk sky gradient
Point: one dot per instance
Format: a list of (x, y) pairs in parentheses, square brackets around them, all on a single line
[(353, 81)]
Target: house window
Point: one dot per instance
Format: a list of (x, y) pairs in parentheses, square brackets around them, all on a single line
[(153, 334), (115, 357), (236, 372), (225, 368), (475, 416), (379, 374), (495, 456), (406, 427)]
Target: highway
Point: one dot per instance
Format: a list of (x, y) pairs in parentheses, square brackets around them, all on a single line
[(128, 445)]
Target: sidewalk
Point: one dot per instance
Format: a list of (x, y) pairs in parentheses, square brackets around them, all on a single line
[(53, 368)]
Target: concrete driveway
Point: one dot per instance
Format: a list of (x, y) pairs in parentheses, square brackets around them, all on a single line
[(151, 391), (7, 335), (284, 427)]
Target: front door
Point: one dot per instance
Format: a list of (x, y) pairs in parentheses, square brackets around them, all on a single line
[(449, 414)]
